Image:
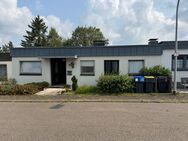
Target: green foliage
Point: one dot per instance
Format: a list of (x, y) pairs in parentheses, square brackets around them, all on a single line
[(86, 89), (40, 85), (6, 47), (115, 84), (11, 88), (3, 78), (9, 82), (74, 83), (84, 36), (24, 90), (155, 71), (36, 36), (18, 89), (54, 39)]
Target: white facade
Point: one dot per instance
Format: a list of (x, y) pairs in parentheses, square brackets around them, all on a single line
[(9, 68), (149, 61), (22, 79), (13, 67), (167, 62)]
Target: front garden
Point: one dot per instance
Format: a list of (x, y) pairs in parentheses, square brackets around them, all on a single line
[(106, 84)]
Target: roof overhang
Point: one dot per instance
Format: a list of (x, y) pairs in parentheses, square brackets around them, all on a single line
[(56, 57)]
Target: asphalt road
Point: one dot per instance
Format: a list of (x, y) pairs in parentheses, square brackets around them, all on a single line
[(93, 122)]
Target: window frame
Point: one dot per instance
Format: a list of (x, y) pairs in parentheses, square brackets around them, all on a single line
[(134, 61), (183, 57), (111, 67), (31, 74), (87, 74), (6, 75)]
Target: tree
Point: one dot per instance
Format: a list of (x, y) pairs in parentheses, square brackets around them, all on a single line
[(36, 36), (54, 39), (84, 36), (6, 47)]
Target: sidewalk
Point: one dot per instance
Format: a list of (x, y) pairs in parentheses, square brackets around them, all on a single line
[(131, 98)]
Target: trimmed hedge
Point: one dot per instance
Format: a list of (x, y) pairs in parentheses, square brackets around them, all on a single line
[(155, 71), (39, 85), (11, 88), (18, 89), (115, 84)]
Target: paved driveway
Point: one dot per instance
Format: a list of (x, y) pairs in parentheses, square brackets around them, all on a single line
[(93, 122)]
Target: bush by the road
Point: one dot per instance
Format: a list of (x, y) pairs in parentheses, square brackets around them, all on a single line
[(11, 88), (115, 84)]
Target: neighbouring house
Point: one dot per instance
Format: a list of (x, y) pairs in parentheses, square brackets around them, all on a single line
[(58, 65)]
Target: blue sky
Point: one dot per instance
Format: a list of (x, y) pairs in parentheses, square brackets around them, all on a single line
[(64, 9), (121, 21)]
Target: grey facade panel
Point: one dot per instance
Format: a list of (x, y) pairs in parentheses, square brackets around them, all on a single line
[(5, 57), (88, 51)]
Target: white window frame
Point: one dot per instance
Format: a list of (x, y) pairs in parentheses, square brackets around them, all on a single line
[(30, 73), (85, 73), (2, 78), (129, 61)]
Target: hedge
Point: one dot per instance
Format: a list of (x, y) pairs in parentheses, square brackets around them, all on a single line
[(115, 84)]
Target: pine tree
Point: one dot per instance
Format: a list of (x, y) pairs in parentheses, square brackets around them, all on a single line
[(54, 39), (6, 47), (36, 36)]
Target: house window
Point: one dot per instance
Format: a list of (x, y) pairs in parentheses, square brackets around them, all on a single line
[(182, 63), (30, 68), (135, 66), (3, 72), (87, 67), (111, 66)]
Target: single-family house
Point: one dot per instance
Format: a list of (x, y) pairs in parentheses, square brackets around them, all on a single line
[(58, 65)]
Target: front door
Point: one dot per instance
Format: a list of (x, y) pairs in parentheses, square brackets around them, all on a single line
[(58, 71)]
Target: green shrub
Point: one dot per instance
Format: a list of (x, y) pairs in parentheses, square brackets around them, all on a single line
[(39, 85), (18, 89), (115, 84), (74, 83), (24, 90), (155, 71), (2, 78), (9, 82), (86, 89)]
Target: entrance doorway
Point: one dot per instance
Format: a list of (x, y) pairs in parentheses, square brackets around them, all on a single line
[(58, 71)]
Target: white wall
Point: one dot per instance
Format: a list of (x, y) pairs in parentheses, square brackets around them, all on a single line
[(9, 68), (22, 79), (167, 62), (99, 67)]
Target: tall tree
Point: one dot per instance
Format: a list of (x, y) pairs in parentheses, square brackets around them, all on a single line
[(36, 36), (54, 39), (6, 47), (84, 36)]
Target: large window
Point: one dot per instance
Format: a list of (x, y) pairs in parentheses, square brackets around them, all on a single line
[(3, 72), (182, 63), (135, 66), (87, 67), (111, 66), (30, 68)]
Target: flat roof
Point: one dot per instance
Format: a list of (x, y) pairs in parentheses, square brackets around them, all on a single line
[(5, 57), (123, 50)]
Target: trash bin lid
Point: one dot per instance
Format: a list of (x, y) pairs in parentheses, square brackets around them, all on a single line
[(139, 78), (149, 77)]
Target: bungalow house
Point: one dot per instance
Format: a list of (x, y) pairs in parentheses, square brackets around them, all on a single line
[(58, 65)]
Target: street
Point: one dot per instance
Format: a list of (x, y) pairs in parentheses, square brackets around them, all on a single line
[(93, 122)]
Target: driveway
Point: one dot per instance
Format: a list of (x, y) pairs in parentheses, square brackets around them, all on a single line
[(93, 122)]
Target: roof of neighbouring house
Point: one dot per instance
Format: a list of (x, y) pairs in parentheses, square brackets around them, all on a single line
[(5, 57), (124, 50)]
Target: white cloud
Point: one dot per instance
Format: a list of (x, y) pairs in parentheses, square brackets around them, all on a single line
[(134, 21), (14, 21), (64, 28)]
